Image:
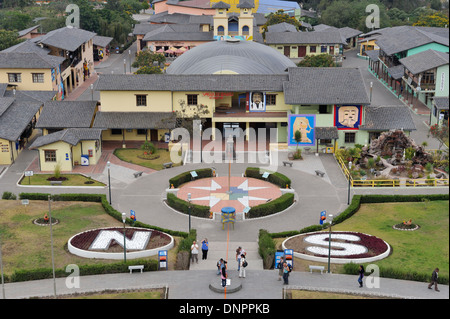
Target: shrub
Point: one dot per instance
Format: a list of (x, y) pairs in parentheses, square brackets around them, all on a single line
[(186, 177), (274, 177), (266, 248), (272, 207), (9, 195), (183, 206)]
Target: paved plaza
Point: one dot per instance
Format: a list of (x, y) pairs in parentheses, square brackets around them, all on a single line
[(145, 195)]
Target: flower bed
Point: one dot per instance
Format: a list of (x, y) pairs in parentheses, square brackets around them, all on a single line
[(345, 246)]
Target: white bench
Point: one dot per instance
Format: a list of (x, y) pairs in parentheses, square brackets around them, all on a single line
[(312, 267), (140, 267), (55, 182)]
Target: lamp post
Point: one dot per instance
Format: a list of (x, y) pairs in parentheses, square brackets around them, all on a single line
[(92, 91), (349, 182), (109, 180), (329, 243), (229, 157), (124, 66), (371, 86), (124, 218), (129, 56), (1, 269), (51, 241), (201, 143), (189, 210)]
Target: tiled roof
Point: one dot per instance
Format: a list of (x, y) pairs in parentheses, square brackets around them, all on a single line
[(205, 83), (102, 41), (396, 71), (326, 133), (19, 60), (384, 118), (15, 118), (66, 38), (135, 120), (282, 27), (425, 60), (403, 38), (221, 5), (71, 136), (325, 86), (67, 114), (441, 102), (315, 37)]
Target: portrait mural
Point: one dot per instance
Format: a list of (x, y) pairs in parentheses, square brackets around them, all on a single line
[(347, 117), (257, 102), (305, 123)]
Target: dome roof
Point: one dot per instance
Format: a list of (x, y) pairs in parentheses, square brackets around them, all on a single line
[(231, 57)]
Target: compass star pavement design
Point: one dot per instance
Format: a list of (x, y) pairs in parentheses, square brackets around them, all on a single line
[(213, 192)]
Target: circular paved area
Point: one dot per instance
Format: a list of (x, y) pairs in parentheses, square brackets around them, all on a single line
[(145, 196), (238, 192)]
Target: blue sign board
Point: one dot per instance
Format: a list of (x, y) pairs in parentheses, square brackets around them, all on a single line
[(323, 216)]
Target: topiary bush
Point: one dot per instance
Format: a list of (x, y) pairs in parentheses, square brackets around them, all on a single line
[(274, 177), (272, 207), (186, 177), (183, 206)]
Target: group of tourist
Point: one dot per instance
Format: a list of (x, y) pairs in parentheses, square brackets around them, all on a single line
[(195, 250)]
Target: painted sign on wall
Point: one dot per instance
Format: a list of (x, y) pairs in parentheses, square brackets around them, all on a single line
[(257, 102), (305, 123), (347, 117)]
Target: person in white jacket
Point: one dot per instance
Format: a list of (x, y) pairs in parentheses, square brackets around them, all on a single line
[(243, 265)]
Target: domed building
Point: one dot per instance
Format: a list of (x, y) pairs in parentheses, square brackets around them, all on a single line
[(231, 56)]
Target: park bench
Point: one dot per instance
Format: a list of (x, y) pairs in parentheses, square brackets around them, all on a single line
[(168, 165), (287, 163), (55, 182), (312, 267), (137, 174), (136, 267), (319, 173)]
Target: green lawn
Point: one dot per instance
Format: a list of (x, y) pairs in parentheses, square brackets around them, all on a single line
[(130, 155), (418, 251), (72, 180)]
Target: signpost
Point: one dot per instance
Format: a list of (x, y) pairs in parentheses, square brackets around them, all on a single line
[(133, 216), (323, 216), (29, 174)]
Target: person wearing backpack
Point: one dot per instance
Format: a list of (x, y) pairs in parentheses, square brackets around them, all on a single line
[(243, 264), (287, 268)]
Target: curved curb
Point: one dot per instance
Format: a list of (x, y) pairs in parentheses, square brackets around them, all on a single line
[(339, 260)]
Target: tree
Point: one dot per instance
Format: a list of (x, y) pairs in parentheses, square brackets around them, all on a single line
[(298, 137), (320, 60), (149, 70), (145, 61), (279, 17), (440, 132), (437, 19), (8, 39)]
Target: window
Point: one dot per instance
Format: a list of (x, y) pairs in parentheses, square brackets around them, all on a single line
[(50, 155), (312, 49), (245, 30), (220, 30), (323, 49), (38, 77), (271, 99), (192, 99), (116, 131), (350, 137), (323, 109), (141, 132), (141, 100), (14, 77)]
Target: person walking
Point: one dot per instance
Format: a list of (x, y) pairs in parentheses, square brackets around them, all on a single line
[(361, 275), (434, 279), (205, 247), (243, 264), (238, 257), (223, 275), (194, 252), (286, 271), (280, 269)]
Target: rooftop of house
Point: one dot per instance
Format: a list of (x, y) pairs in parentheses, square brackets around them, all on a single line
[(135, 120), (17, 109), (67, 114), (28, 60), (315, 37), (424, 61), (66, 38), (71, 136), (398, 39), (384, 118)]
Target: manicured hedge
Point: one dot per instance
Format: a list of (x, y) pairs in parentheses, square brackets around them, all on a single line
[(274, 177), (272, 207), (266, 248), (186, 177), (183, 206)]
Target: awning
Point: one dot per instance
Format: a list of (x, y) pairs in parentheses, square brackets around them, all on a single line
[(326, 133)]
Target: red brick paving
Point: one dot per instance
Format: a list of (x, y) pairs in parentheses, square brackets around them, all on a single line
[(270, 192)]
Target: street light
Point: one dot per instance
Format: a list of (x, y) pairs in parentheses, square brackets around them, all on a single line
[(51, 240), (349, 182), (201, 143), (124, 218), (129, 56), (371, 86), (329, 243), (124, 66), (109, 180), (1, 269), (92, 91), (189, 210)]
